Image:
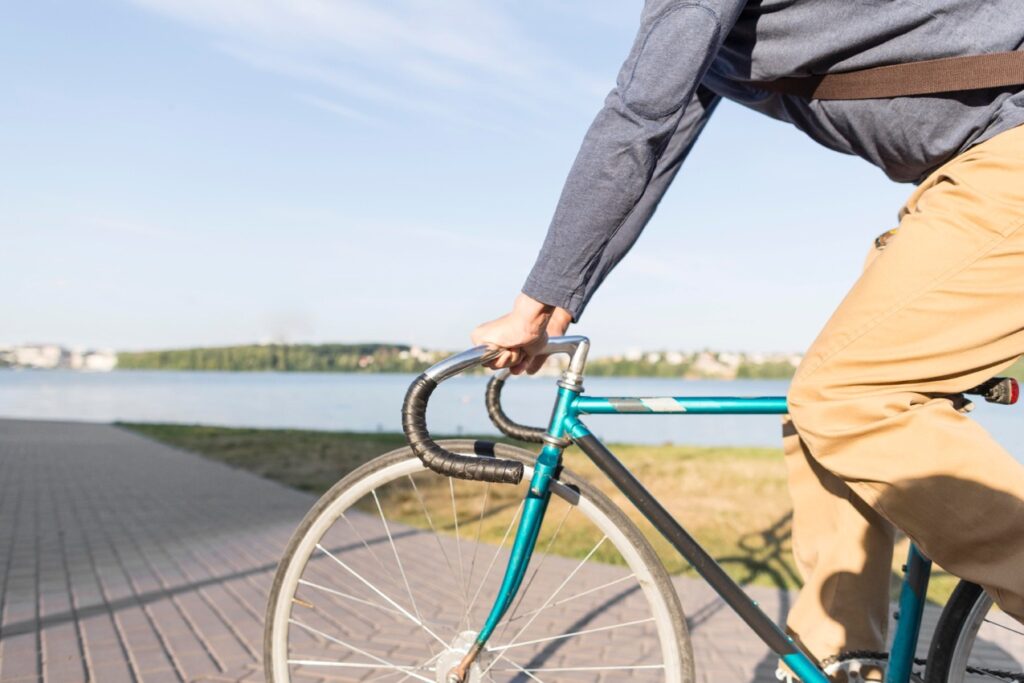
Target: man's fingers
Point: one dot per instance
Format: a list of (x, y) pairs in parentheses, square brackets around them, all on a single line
[(515, 356), (518, 362), (536, 364), (506, 358), (523, 365)]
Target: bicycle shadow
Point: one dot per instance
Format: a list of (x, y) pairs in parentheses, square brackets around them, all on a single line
[(763, 556)]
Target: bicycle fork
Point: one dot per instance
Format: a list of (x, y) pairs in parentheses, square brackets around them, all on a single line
[(546, 469)]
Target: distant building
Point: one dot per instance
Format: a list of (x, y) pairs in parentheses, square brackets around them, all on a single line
[(675, 358), (52, 356), (99, 361), (40, 356), (707, 365), (553, 366)]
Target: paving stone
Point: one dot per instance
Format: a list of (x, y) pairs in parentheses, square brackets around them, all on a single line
[(19, 656), (111, 672)]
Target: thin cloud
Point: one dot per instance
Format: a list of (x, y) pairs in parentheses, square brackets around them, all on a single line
[(396, 53), (339, 109), (339, 78), (430, 73)]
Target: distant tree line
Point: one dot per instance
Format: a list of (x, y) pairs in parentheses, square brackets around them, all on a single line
[(403, 358), (765, 370), (280, 357), (640, 367)]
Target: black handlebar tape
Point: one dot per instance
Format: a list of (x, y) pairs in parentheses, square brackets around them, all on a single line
[(473, 468), (509, 428)]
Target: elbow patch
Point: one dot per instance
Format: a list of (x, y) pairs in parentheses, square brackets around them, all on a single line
[(669, 59)]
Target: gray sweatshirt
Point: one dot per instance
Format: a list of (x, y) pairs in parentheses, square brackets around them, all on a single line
[(688, 54)]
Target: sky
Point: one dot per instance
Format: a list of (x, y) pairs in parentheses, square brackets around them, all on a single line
[(208, 172)]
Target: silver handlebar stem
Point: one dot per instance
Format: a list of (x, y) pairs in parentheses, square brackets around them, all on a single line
[(575, 345)]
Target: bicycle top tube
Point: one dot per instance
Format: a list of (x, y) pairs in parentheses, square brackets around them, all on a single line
[(680, 405)]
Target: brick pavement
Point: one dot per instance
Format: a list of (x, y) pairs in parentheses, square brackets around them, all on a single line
[(126, 560)]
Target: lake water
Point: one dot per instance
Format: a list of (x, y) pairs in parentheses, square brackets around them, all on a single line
[(365, 402)]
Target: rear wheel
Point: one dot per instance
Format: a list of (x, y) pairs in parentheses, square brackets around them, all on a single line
[(394, 568), (975, 641)]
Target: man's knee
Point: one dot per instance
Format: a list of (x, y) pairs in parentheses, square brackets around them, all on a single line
[(812, 407), (831, 408)]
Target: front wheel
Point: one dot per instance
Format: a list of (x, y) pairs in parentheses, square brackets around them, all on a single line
[(975, 641), (392, 571)]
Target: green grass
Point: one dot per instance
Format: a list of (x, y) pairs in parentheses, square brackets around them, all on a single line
[(307, 460), (733, 500)]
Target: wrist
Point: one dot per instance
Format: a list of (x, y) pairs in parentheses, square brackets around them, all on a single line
[(532, 314), (559, 322)]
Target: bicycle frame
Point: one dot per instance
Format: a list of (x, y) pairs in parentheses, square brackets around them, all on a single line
[(566, 427)]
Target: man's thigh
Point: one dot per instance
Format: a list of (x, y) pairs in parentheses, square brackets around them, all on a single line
[(941, 308)]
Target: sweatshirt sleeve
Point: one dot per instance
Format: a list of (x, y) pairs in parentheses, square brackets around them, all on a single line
[(632, 150)]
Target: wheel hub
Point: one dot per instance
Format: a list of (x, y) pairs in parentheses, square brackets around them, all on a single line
[(450, 659)]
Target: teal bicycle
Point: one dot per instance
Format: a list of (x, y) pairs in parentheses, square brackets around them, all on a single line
[(442, 562)]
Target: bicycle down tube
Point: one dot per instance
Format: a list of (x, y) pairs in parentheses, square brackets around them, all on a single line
[(566, 427)]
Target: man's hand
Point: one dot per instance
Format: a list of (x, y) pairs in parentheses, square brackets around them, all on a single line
[(558, 323), (522, 334)]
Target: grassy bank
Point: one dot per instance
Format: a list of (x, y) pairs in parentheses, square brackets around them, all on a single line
[(734, 500)]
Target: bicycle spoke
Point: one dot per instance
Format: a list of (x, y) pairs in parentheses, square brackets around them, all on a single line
[(494, 558), (325, 589), (394, 549), (390, 674), (422, 667), (476, 547), (634, 667), (351, 665), (575, 596), (437, 537), (381, 593), (562, 636), (1005, 628), (458, 540), (352, 647), (522, 671), (367, 545)]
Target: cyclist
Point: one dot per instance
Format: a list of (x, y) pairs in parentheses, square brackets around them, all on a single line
[(876, 439)]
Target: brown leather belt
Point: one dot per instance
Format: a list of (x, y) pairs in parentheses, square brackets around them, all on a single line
[(929, 77)]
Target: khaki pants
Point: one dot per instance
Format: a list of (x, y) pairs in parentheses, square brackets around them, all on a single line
[(875, 438)]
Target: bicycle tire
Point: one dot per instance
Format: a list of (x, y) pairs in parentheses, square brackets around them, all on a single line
[(651, 577), (956, 655)]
